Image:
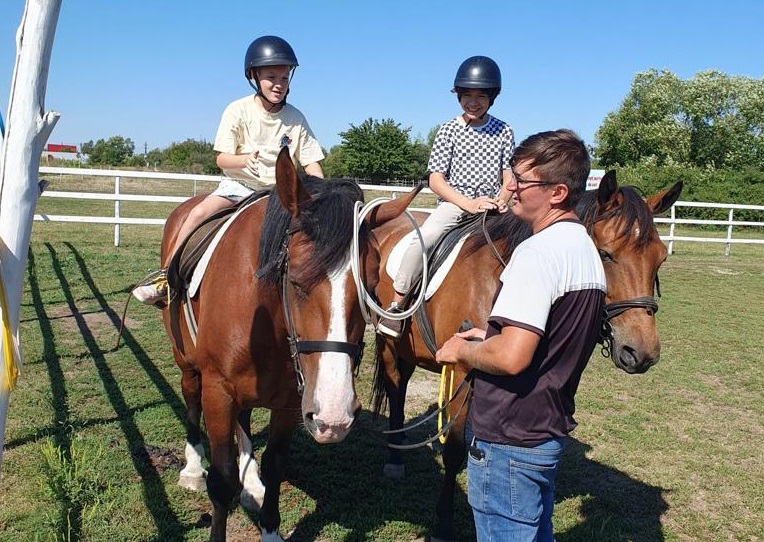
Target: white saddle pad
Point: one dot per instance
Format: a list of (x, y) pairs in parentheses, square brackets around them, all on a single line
[(396, 256), (201, 267)]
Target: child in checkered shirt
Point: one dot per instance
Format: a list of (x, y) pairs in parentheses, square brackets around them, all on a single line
[(469, 167)]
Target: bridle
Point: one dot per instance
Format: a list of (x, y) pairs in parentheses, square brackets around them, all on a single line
[(612, 310), (297, 345)]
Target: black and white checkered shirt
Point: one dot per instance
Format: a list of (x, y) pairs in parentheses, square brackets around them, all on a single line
[(473, 158)]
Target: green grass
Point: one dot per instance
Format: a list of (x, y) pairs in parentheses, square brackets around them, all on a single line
[(674, 454)]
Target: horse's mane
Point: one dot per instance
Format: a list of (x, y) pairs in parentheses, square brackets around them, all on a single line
[(327, 220), (505, 230), (632, 209)]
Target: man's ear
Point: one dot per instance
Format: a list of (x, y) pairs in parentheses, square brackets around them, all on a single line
[(559, 194)]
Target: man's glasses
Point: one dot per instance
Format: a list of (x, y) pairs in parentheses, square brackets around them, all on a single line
[(519, 180)]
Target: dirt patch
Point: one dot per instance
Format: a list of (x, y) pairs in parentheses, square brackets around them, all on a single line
[(422, 392), (97, 322)]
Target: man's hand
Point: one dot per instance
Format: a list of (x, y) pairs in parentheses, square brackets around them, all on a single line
[(450, 351)]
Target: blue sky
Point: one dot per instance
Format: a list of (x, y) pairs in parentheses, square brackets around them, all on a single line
[(159, 71)]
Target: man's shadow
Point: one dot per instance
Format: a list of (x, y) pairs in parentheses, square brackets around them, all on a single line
[(615, 506)]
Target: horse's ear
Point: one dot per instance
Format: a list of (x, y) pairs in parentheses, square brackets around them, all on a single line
[(391, 209), (663, 201), (607, 188), (289, 187)]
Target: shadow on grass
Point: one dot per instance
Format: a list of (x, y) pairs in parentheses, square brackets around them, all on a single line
[(345, 482), (615, 507), (168, 525)]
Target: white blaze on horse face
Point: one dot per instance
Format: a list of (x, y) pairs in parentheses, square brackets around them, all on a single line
[(334, 384)]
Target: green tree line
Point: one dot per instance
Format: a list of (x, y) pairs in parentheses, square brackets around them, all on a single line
[(707, 130)]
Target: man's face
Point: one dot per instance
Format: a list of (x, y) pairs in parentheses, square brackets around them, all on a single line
[(530, 193)]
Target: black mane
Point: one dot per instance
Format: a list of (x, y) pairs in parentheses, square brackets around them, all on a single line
[(508, 227), (327, 220), (500, 227)]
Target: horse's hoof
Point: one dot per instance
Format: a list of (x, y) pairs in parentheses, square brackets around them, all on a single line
[(250, 502), (394, 471), (272, 536), (194, 483)]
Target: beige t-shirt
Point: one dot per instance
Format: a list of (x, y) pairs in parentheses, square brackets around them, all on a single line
[(245, 128)]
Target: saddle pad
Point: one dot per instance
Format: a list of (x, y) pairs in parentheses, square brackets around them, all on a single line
[(201, 267), (396, 256)]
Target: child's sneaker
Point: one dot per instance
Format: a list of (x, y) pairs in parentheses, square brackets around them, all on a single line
[(153, 289)]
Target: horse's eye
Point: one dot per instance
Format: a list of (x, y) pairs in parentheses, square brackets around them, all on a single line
[(605, 255)]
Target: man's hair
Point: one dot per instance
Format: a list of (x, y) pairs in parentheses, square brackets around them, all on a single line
[(559, 156)]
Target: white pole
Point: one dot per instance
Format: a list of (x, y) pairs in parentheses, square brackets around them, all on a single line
[(116, 210), (27, 128), (728, 244)]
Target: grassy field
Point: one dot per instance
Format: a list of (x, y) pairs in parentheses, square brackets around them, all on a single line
[(94, 437)]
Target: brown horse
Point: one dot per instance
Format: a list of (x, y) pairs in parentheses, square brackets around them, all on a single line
[(621, 224), (276, 324)]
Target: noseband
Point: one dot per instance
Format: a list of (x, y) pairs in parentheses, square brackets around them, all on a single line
[(298, 346)]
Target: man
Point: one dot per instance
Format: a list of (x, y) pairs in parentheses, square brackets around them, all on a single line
[(541, 332)]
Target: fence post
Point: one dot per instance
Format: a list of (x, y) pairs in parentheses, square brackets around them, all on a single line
[(671, 230), (116, 210), (728, 244)]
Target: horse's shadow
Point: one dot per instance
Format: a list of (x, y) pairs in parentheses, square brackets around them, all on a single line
[(345, 482), (348, 489)]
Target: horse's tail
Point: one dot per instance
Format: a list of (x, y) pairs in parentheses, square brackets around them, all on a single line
[(378, 391)]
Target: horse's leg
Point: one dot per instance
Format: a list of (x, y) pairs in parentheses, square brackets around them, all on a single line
[(454, 454), (223, 485), (398, 373), (274, 463), (193, 474), (253, 490)]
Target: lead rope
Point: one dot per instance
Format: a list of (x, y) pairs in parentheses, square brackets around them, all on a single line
[(447, 375)]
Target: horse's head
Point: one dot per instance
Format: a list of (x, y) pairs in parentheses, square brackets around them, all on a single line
[(321, 310), (621, 224)]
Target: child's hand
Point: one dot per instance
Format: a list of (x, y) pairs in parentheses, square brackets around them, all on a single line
[(481, 204), (250, 163)]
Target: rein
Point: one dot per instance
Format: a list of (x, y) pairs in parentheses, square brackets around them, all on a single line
[(443, 429), (298, 346)]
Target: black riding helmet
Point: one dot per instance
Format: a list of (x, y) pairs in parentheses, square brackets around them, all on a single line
[(267, 51), (478, 72)]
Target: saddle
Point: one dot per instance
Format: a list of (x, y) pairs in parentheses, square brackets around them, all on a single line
[(181, 268)]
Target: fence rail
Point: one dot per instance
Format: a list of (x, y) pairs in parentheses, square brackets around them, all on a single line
[(117, 196)]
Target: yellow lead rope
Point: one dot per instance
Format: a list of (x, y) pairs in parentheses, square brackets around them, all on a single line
[(10, 345), (446, 382)]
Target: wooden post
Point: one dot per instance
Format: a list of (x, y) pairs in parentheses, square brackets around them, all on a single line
[(27, 128)]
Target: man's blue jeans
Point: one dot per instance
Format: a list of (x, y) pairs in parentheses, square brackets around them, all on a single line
[(511, 490)]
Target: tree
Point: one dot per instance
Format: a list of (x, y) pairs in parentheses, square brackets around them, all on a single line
[(191, 156), (379, 150), (712, 120), (116, 151), (28, 129)]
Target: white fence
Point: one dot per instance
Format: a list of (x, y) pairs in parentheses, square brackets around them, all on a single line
[(117, 196)]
